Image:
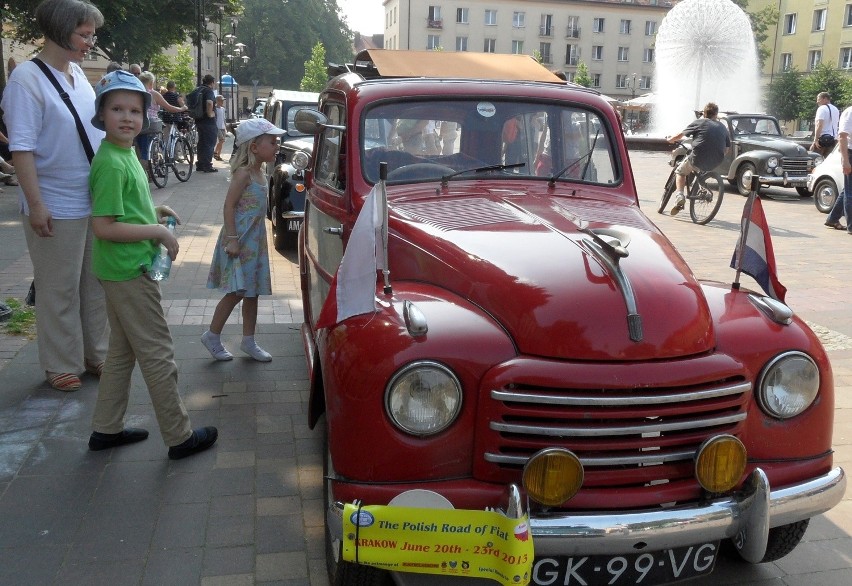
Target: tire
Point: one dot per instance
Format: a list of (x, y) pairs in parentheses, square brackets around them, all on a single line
[(705, 197), (744, 173), (157, 160), (184, 159), (668, 190), (342, 573), (803, 192), (784, 539), (825, 194), (282, 238)]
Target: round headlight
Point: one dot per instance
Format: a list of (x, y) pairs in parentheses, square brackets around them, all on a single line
[(720, 463), (772, 162), (788, 385), (817, 160), (552, 476), (423, 398), (300, 160)]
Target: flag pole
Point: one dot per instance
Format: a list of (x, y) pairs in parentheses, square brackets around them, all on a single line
[(745, 223), (383, 175)]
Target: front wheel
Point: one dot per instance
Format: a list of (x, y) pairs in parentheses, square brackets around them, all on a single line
[(784, 539), (825, 194), (744, 175), (705, 197), (157, 162), (184, 159), (668, 190), (803, 192)]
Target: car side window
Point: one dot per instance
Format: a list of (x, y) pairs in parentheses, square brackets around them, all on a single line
[(330, 168)]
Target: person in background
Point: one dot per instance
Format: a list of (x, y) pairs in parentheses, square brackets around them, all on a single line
[(206, 127), (135, 69), (825, 124), (113, 66), (55, 203), (174, 98), (155, 125), (6, 170), (127, 239), (220, 127), (240, 265), (843, 204)]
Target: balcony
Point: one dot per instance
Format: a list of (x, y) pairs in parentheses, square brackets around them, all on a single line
[(572, 60), (545, 31), (432, 23), (546, 59), (572, 32)]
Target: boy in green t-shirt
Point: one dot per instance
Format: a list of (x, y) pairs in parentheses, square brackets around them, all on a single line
[(127, 237)]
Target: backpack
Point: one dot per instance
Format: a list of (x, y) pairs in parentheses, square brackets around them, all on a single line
[(195, 103)]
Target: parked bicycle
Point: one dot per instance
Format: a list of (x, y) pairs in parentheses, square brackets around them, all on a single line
[(704, 190), (176, 152)]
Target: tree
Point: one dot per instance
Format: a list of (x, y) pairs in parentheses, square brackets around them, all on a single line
[(582, 77), (782, 100), (762, 22), (315, 72), (824, 78), (177, 69)]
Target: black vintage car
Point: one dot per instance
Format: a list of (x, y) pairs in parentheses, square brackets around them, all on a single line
[(286, 206), (758, 146)]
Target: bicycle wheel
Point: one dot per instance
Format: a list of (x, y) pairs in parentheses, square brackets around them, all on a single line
[(705, 197), (157, 160), (668, 190), (183, 160)]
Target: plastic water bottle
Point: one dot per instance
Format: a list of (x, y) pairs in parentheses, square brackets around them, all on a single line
[(162, 262)]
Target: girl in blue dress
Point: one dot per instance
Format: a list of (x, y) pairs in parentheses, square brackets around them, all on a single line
[(240, 266)]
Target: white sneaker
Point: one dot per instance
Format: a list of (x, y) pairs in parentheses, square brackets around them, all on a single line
[(255, 351), (215, 347), (679, 203)]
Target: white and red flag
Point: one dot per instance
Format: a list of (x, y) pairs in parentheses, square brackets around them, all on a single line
[(756, 258)]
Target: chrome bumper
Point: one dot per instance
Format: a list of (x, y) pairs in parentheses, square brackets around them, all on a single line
[(784, 180), (745, 517)]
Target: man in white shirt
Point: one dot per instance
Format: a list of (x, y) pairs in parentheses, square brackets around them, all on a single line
[(825, 123)]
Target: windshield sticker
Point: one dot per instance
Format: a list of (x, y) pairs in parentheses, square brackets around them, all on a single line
[(486, 109)]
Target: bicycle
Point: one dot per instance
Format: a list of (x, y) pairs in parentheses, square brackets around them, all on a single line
[(177, 152), (704, 190)]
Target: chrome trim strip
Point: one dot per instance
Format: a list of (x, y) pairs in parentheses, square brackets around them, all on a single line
[(651, 458), (573, 431), (604, 401)]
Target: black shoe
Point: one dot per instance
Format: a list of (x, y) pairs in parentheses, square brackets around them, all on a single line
[(201, 439), (103, 441), (210, 170)]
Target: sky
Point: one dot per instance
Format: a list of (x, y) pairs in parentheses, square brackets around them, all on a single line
[(364, 16)]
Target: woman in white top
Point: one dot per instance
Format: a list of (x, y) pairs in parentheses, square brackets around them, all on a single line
[(155, 125), (53, 171)]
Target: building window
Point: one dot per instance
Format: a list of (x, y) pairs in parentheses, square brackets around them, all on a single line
[(598, 25), (786, 61), (546, 26), (544, 49), (569, 75), (517, 47), (490, 46), (519, 19), (819, 19), (847, 20), (573, 29), (650, 28), (462, 16), (596, 79), (645, 82), (461, 43), (625, 27), (621, 81), (814, 58), (597, 53), (490, 17), (648, 55), (435, 17), (790, 24), (572, 55), (433, 42), (846, 58), (623, 54)]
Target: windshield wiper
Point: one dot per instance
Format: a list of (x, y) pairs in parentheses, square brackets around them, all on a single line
[(587, 156), (498, 167)]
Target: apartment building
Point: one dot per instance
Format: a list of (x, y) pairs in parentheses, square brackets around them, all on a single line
[(809, 32), (614, 38)]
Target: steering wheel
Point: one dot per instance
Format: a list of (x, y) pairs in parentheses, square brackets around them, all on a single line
[(420, 171)]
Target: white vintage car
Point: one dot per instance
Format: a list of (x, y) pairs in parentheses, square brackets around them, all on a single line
[(826, 181)]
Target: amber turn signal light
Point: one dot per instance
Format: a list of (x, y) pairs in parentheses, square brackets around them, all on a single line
[(720, 463), (553, 476)]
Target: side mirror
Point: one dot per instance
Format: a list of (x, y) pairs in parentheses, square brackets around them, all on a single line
[(309, 121)]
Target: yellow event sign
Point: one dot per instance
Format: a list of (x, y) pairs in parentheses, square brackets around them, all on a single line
[(451, 542)]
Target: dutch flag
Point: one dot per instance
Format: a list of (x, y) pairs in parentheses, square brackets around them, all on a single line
[(757, 258)]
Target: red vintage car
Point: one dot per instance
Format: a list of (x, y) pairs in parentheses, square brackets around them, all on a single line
[(536, 346)]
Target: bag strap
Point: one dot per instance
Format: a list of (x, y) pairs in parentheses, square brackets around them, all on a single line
[(84, 138)]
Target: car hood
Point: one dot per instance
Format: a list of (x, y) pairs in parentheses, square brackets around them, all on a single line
[(773, 143), (525, 260)]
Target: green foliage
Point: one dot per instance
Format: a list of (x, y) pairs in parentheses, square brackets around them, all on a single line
[(22, 320), (582, 77), (782, 99), (178, 69), (763, 22), (315, 71), (824, 78)]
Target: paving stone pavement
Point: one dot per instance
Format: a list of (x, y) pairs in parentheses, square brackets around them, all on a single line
[(249, 510)]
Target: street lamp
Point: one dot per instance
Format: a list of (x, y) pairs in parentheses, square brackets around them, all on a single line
[(237, 52), (631, 83)]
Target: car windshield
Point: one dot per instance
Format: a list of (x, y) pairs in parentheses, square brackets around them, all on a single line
[(754, 125), (291, 115), (475, 138)]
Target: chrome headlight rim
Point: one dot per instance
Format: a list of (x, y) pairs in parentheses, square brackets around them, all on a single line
[(406, 370), (772, 162), (766, 404), (300, 160)]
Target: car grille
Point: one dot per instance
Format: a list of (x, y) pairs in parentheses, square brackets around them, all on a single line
[(636, 443), (795, 166)]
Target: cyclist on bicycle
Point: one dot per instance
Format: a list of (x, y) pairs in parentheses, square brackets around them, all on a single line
[(710, 142)]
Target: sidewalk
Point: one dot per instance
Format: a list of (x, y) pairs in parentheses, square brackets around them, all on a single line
[(249, 510)]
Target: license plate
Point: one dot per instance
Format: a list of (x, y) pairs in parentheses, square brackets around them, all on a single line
[(293, 225), (655, 567)]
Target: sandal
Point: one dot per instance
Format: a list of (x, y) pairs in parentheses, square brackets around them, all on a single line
[(835, 225), (64, 381), (95, 369)]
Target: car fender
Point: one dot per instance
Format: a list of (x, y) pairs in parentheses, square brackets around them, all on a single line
[(756, 157)]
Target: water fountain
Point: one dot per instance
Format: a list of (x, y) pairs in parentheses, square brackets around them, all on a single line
[(705, 52)]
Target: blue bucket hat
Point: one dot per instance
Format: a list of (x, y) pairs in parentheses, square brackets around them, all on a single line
[(119, 80)]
